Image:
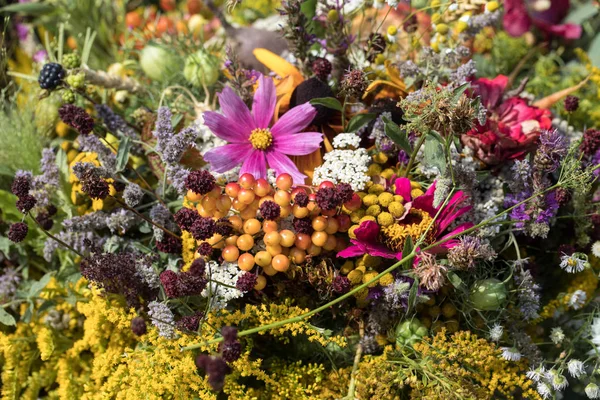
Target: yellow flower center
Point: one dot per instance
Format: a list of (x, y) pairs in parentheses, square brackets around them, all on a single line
[(413, 225), (261, 139)]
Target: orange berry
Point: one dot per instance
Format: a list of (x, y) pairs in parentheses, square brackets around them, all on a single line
[(201, 211), (224, 203), (231, 240), (331, 243), (269, 226), (215, 192), (255, 203), (262, 187), (282, 198), (232, 189), (247, 181), (269, 270), (246, 196), (319, 223), (245, 242), (332, 225), (300, 212), (133, 20), (218, 214), (195, 197), (329, 213), (272, 238), (263, 258), (274, 250), (284, 181), (209, 203), (246, 262), (314, 250), (261, 283), (287, 238), (285, 211), (266, 198), (303, 241), (248, 213), (236, 222), (297, 255), (230, 253), (319, 238), (281, 263), (252, 226), (237, 205), (216, 241)]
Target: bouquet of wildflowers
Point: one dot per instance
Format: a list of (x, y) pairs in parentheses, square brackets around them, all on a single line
[(300, 199)]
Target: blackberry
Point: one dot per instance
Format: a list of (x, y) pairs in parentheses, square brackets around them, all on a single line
[(51, 76)]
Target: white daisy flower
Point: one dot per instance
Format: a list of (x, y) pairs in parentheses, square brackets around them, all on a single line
[(536, 374), (592, 391), (576, 368), (557, 335), (577, 299), (510, 353), (544, 390), (572, 264)]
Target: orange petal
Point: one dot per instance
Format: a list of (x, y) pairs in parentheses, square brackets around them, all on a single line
[(394, 75), (552, 99), (278, 65), (284, 86)]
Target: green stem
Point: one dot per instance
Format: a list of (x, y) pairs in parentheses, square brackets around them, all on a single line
[(413, 156), (51, 236), (142, 216)]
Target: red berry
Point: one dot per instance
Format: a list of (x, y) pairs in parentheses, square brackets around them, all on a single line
[(326, 184), (247, 181)]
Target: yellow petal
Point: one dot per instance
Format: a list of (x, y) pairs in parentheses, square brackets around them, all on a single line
[(380, 82), (284, 86), (394, 75), (278, 65)]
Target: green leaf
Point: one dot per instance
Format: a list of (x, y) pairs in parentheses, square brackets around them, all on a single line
[(29, 8), (6, 318), (456, 281), (436, 135), (123, 153), (328, 102), (63, 165), (582, 13), (408, 248), (393, 131), (5, 244), (433, 155), (594, 51), (358, 121), (412, 295), (459, 92), (7, 205), (37, 287)]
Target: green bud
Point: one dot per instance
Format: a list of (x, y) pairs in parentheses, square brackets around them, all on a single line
[(488, 294), (201, 68), (70, 61), (159, 64), (68, 97), (410, 332)]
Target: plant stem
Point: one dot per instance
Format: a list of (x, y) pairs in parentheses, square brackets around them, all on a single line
[(357, 356), (51, 236), (413, 156), (142, 216)]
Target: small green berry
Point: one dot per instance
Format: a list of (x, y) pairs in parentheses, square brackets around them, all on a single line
[(76, 81), (70, 61), (68, 97)]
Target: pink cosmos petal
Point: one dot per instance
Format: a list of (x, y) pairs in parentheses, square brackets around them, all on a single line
[(568, 31), (380, 251), (491, 90), (265, 99), (294, 120), (403, 188), (455, 231), (255, 164), (425, 203), (351, 251), (297, 144), (225, 128), (224, 158), (282, 164), (447, 220), (367, 232), (235, 109)]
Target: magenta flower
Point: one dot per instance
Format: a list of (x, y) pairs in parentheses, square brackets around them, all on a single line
[(418, 219), (252, 142), (520, 15)]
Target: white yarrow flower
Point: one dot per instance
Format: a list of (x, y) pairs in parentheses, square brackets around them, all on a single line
[(510, 353), (557, 335), (217, 275), (496, 332), (345, 140), (576, 368)]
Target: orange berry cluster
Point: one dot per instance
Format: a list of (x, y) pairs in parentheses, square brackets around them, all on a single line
[(263, 221)]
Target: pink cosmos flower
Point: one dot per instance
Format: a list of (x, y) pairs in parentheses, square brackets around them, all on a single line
[(545, 15), (512, 126), (371, 238), (252, 142)]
